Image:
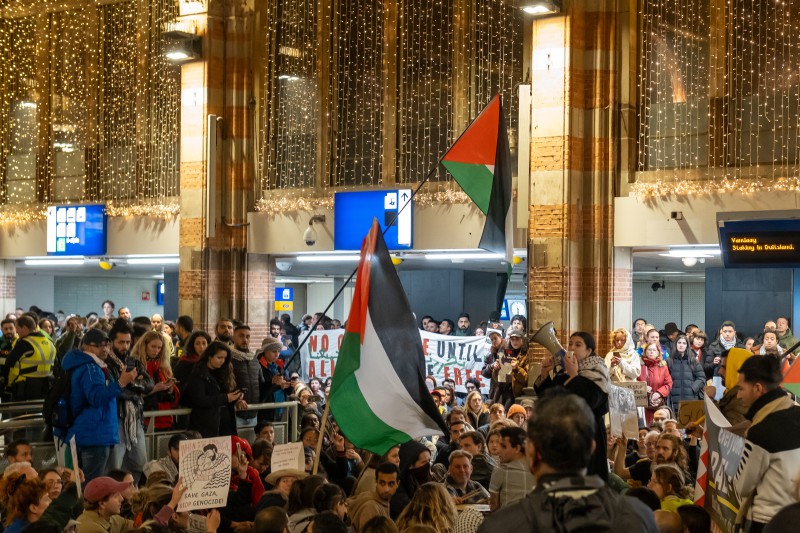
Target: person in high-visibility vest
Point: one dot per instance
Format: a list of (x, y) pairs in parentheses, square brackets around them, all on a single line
[(28, 370)]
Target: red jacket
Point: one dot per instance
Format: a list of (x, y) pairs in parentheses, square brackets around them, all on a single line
[(657, 377)]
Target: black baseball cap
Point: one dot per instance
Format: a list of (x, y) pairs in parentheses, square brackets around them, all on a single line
[(95, 336)]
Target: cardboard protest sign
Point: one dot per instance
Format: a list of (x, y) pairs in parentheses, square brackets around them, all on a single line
[(197, 523), (446, 356), (690, 411), (622, 412), (288, 456), (639, 389), (714, 488), (205, 466)]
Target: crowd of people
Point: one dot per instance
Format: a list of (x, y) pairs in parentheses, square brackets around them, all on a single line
[(534, 453)]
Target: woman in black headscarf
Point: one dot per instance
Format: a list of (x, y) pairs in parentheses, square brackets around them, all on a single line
[(415, 470)]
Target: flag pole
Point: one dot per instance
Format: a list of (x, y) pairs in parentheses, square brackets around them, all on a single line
[(430, 173), (321, 437)]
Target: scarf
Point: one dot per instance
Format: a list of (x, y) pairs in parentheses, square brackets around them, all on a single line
[(648, 361), (239, 355), (130, 425), (594, 369), (727, 344)]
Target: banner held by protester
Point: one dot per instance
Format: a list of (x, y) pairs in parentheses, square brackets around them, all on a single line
[(205, 467)]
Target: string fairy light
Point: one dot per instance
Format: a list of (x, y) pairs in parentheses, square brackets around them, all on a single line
[(735, 58), (451, 59), (92, 105)]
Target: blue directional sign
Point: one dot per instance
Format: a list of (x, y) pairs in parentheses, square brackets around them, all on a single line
[(354, 212), (77, 230), (284, 294)]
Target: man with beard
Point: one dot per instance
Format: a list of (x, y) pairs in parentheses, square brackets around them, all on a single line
[(8, 339), (224, 331), (464, 329), (130, 453), (247, 371), (367, 505)]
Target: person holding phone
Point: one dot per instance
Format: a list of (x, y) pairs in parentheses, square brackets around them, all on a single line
[(151, 351), (211, 393)]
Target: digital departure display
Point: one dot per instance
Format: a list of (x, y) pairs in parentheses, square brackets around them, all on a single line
[(77, 230), (354, 211), (760, 243)]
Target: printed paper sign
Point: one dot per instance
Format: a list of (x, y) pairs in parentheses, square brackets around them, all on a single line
[(446, 356), (622, 412), (288, 456), (639, 389), (197, 523), (205, 466)]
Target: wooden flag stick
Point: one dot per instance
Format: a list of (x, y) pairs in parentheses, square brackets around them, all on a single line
[(322, 425)]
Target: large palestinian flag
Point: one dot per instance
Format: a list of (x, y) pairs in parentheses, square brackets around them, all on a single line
[(480, 161), (378, 395)]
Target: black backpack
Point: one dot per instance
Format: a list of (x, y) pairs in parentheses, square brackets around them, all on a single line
[(56, 409)]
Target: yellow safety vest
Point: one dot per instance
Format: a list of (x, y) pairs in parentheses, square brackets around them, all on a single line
[(39, 364)]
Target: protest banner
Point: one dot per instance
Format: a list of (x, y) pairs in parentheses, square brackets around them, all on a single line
[(288, 456), (205, 466), (446, 356), (718, 463), (639, 389), (690, 411), (622, 412)]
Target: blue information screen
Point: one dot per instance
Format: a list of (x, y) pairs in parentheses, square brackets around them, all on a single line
[(77, 230), (354, 211), (767, 243), (284, 294)]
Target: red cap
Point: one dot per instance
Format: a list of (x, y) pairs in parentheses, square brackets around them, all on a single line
[(243, 444), (101, 487)]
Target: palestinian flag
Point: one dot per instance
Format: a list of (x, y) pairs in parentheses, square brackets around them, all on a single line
[(480, 161), (791, 381), (378, 395)]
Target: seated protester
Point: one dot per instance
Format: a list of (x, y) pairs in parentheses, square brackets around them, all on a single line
[(123, 476), (640, 470), (512, 479), (158, 505), (333, 460), (380, 524), (280, 483), (327, 522), (169, 463), (262, 456), (366, 480), (668, 521), (19, 450), (559, 446), (482, 464), (53, 481), (415, 470), (671, 449), (366, 505), (430, 506), (25, 501), (457, 428), (330, 498), (271, 520), (455, 414), (104, 499), (265, 431), (647, 497), (304, 398), (637, 451), (309, 420), (458, 482), (696, 519), (667, 483), (245, 490), (497, 411), (301, 502)]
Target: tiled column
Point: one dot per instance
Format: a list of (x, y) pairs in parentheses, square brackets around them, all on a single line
[(214, 271), (8, 287), (573, 150)]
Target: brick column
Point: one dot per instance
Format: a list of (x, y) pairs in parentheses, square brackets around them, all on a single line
[(573, 148), (213, 273)]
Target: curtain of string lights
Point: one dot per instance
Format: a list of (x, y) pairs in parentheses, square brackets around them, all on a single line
[(90, 107), (451, 59), (719, 94)]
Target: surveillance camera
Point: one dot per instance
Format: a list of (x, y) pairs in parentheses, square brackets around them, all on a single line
[(310, 236), (655, 286)]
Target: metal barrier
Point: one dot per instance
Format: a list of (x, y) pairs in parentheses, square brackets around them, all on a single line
[(30, 422)]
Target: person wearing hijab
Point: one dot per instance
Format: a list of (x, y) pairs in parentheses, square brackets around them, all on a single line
[(623, 360), (415, 471), (585, 374)]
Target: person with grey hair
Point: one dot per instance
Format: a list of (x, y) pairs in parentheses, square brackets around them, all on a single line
[(458, 482)]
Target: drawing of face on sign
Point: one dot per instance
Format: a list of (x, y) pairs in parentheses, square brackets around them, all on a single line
[(206, 468)]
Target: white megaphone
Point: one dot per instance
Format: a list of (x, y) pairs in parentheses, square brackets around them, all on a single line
[(546, 336)]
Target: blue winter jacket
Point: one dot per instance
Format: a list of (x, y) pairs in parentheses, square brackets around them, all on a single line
[(93, 400)]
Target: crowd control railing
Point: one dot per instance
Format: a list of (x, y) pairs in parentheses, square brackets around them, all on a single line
[(23, 420)]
